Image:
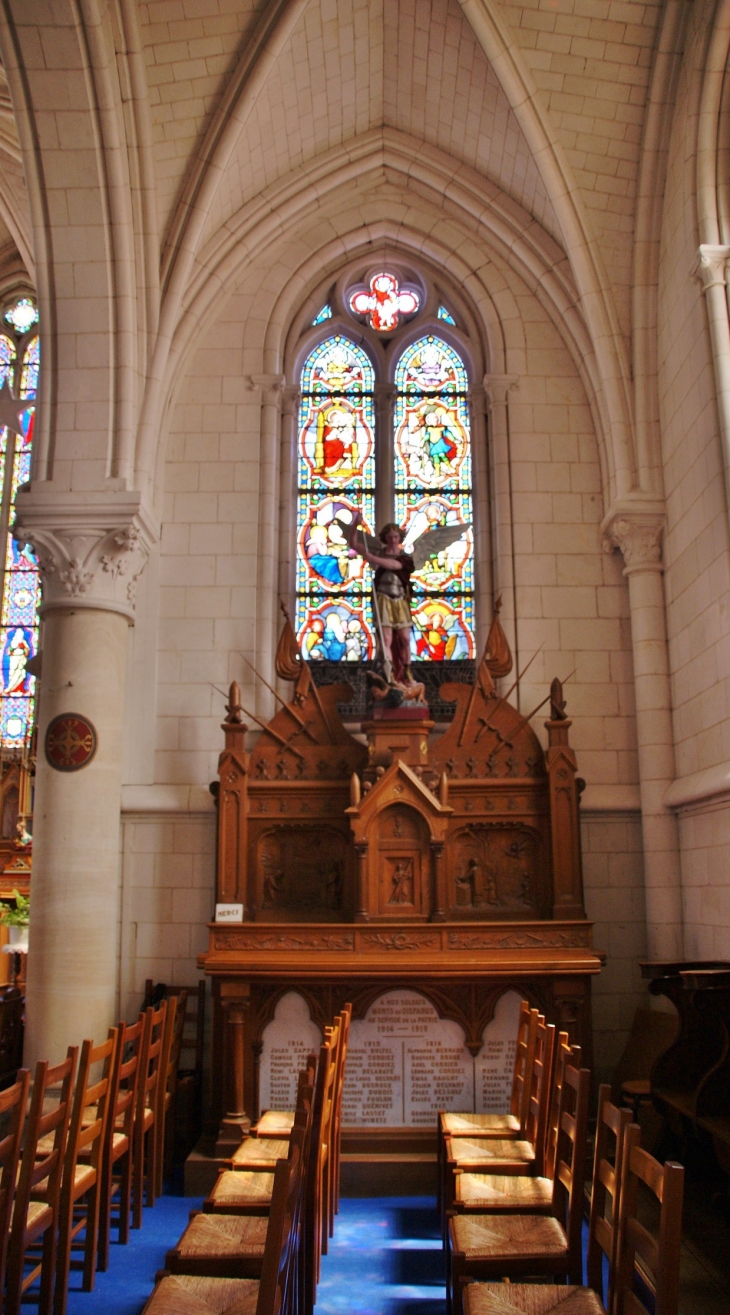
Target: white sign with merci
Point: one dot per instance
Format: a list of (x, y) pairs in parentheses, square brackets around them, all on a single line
[(229, 913)]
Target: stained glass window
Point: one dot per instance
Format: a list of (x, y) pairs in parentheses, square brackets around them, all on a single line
[(445, 315), (384, 302), (21, 582), (432, 454), (336, 476), (324, 314)]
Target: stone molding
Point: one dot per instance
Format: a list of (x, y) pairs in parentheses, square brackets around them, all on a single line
[(700, 790), (91, 547), (270, 388), (498, 386), (637, 533)]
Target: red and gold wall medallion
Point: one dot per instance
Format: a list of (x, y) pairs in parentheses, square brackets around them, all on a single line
[(70, 742)]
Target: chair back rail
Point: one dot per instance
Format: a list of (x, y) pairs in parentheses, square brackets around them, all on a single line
[(523, 1031), (346, 1017), (539, 1102), (570, 1163), (522, 1076), (43, 1173), (119, 1136), (169, 1061), (565, 1055), (603, 1227), (145, 1114), (13, 1104), (655, 1260), (313, 1191), (86, 1141)]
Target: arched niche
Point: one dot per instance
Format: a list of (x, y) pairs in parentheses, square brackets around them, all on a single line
[(286, 1041)]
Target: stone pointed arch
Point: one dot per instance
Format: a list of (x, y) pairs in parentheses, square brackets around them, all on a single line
[(505, 57), (455, 193)]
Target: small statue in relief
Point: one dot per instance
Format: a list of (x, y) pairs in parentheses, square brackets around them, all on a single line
[(466, 884), (401, 885), (273, 887), (490, 887), (334, 885)]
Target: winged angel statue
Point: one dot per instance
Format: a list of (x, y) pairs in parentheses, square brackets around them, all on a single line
[(392, 587)]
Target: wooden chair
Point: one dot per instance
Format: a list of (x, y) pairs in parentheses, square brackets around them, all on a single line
[(232, 1246), (146, 1127), (485, 1193), (527, 1244), (279, 1123), (263, 1152), (502, 1156), (183, 1123), (334, 1036), (12, 1007), (119, 1139), (35, 1211), (272, 1294), (81, 1183), (510, 1125), (644, 1272), (167, 1084), (13, 1103), (346, 1017)]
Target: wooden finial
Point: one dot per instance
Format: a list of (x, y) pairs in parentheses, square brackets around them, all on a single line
[(444, 789), (354, 790), (234, 711)]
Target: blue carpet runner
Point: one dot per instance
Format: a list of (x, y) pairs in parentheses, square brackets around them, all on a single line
[(385, 1259)]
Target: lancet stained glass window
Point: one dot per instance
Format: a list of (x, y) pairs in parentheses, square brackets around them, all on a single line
[(19, 365), (433, 487), (336, 478)]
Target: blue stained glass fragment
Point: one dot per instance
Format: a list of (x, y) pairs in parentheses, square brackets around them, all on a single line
[(446, 316), (324, 314)]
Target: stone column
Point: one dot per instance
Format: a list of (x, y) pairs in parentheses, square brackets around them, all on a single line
[(91, 550), (713, 271), (497, 387), (270, 387), (638, 534)]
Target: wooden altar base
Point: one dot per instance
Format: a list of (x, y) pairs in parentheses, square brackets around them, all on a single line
[(374, 1162), (462, 969)]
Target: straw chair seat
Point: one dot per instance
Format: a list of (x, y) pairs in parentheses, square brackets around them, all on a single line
[(35, 1211), (530, 1299), (242, 1187), (503, 1191), (521, 1236), (189, 1294), (223, 1235), (482, 1151), (253, 1152), (455, 1125), (275, 1123)]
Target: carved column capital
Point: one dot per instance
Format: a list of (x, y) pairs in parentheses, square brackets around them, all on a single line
[(713, 265), (270, 388), (638, 536), (497, 387), (290, 399), (91, 547)]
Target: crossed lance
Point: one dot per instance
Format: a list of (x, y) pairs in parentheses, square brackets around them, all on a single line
[(487, 722)]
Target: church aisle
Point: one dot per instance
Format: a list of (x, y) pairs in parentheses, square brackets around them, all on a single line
[(386, 1258), (128, 1282)]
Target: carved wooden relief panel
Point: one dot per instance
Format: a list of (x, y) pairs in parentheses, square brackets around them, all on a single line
[(301, 870), (402, 841), (496, 871)]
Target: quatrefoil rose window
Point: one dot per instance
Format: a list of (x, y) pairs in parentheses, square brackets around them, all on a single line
[(384, 302)]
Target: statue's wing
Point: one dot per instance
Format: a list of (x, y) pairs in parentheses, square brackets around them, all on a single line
[(434, 541), (372, 544)]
